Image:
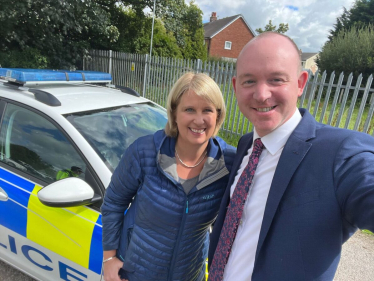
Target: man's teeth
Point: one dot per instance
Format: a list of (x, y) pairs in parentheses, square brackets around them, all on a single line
[(198, 131), (265, 109)]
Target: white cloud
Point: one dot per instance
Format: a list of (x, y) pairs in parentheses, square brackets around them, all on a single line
[(309, 21)]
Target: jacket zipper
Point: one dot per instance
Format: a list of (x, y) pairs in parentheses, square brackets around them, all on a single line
[(180, 231), (176, 247)]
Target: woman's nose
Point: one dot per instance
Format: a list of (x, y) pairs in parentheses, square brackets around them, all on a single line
[(199, 119)]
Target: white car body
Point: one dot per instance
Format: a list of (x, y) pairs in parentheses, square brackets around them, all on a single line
[(54, 243)]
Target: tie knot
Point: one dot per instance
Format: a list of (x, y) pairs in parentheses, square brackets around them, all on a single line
[(258, 145)]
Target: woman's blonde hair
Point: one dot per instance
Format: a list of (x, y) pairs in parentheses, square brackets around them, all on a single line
[(204, 87)]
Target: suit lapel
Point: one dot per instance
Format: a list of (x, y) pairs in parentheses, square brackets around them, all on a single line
[(292, 155)]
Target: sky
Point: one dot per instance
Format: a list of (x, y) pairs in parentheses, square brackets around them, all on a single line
[(309, 21)]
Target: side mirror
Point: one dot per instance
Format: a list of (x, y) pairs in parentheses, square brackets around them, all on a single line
[(68, 192)]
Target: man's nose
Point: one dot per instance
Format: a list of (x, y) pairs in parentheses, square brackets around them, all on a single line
[(262, 92)]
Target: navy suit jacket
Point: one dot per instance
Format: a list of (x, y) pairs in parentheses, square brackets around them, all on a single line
[(322, 191)]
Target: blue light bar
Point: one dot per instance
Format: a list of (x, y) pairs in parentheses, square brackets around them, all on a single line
[(48, 76)]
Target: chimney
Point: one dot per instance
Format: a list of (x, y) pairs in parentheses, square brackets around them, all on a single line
[(213, 17)]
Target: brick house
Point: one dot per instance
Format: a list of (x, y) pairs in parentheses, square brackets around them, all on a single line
[(226, 37)]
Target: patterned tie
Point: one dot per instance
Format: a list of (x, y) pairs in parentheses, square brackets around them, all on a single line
[(234, 214)]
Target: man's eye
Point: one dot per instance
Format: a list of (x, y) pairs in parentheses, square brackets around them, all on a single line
[(249, 82), (277, 80)]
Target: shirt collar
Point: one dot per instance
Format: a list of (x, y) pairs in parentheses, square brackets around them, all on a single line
[(278, 138)]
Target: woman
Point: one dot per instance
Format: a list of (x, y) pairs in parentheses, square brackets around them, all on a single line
[(174, 180)]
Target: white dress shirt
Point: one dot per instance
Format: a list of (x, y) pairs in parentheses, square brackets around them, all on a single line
[(242, 257)]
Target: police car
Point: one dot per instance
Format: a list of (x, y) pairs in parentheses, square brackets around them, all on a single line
[(62, 134)]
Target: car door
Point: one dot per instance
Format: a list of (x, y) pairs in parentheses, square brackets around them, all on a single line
[(46, 242)]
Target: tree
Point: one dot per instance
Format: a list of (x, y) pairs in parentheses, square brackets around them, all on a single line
[(349, 51), (282, 28), (194, 33), (178, 23), (135, 34), (57, 32), (361, 14), (342, 22), (186, 24), (164, 43)]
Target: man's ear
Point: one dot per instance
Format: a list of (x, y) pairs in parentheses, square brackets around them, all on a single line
[(234, 83), (303, 78)]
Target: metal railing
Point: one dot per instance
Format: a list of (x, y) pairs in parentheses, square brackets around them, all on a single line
[(336, 103)]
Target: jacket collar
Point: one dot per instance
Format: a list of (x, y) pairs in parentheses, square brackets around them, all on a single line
[(166, 145), (214, 167)]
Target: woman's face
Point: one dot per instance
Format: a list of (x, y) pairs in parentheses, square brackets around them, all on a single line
[(196, 119)]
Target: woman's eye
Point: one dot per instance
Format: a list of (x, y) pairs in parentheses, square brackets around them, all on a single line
[(189, 109)]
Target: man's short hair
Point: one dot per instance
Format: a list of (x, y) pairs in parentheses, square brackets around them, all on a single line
[(269, 33)]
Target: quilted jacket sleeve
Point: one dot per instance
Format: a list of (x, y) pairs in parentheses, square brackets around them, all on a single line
[(124, 184)]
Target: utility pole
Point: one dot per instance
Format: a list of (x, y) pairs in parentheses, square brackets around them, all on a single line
[(153, 23)]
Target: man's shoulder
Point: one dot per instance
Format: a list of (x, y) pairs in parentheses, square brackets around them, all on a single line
[(334, 133), (245, 140), (329, 136)]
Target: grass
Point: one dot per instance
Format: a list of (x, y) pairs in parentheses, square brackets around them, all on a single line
[(332, 117), (367, 232), (230, 139)]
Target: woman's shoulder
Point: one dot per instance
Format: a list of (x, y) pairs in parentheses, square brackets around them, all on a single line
[(226, 148), (229, 151), (150, 139)]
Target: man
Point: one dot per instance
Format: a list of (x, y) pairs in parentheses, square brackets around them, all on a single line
[(313, 185)]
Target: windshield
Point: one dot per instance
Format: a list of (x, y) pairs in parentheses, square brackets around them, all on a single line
[(110, 131)]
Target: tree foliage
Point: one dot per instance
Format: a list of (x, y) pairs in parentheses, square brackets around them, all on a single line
[(361, 14), (341, 23), (177, 23), (282, 28), (59, 30), (57, 34), (193, 32), (349, 51)]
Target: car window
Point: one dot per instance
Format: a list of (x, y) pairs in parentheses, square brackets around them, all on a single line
[(31, 143), (110, 131)]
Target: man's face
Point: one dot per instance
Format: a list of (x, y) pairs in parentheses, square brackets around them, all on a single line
[(268, 82)]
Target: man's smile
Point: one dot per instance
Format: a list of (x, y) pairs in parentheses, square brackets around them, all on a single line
[(264, 109)]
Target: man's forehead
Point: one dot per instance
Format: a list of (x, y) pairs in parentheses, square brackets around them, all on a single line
[(248, 74), (270, 43)]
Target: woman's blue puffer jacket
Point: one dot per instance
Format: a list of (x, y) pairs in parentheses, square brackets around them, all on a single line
[(164, 234)]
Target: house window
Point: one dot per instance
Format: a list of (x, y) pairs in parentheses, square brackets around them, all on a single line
[(227, 45)]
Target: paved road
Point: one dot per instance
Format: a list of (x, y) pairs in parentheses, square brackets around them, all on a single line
[(357, 262)]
